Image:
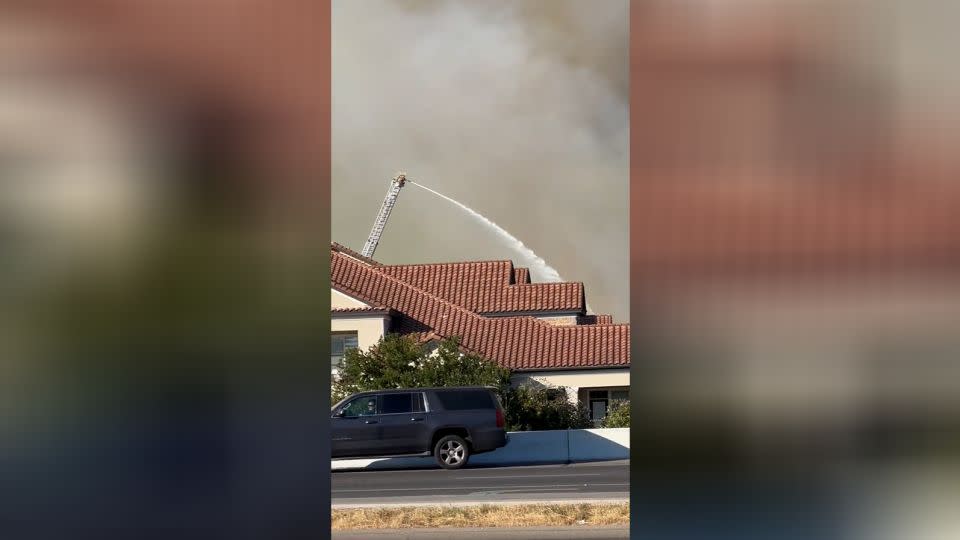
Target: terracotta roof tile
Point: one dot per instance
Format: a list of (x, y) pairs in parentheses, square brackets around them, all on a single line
[(378, 310), (522, 343), (485, 287)]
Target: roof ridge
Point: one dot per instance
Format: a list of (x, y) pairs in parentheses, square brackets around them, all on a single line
[(336, 246), (454, 263), (491, 286), (461, 309), (561, 326), (580, 283), (457, 307)]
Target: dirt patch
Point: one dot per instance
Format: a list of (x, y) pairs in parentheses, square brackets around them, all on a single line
[(488, 515)]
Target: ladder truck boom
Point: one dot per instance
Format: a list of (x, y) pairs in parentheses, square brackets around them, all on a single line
[(383, 215)]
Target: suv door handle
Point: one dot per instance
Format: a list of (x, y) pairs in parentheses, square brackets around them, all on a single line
[(370, 422), (416, 419)]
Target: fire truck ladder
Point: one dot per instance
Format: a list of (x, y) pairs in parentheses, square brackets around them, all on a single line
[(383, 215)]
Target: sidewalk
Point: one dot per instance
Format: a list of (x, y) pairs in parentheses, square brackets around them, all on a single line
[(523, 448)]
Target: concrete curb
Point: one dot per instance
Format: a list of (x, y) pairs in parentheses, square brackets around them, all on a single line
[(468, 504)]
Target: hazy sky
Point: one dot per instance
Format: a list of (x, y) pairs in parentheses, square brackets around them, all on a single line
[(518, 109)]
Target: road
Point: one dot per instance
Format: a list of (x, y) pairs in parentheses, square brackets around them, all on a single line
[(586, 482)]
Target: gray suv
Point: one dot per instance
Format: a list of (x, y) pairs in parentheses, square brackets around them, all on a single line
[(449, 423)]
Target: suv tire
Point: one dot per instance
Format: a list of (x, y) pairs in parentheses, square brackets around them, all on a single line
[(451, 452)]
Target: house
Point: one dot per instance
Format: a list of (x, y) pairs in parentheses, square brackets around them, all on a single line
[(541, 331)]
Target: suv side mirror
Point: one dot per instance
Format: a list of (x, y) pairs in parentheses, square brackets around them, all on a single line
[(340, 414)]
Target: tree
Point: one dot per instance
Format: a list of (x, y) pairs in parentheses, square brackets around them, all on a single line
[(618, 416), (398, 361), (536, 409)]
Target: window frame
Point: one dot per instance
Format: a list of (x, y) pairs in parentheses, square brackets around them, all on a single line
[(333, 337)]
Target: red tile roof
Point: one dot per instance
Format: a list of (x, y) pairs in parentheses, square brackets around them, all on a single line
[(521, 275), (485, 287), (521, 343), (376, 310)]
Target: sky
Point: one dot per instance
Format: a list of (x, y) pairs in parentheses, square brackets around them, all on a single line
[(518, 110)]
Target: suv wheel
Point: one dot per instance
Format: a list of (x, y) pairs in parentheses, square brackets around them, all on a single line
[(451, 452)]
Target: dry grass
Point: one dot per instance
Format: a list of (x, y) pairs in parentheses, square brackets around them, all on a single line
[(538, 515)]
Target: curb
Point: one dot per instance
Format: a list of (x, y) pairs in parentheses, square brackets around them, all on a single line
[(384, 464), (469, 504)]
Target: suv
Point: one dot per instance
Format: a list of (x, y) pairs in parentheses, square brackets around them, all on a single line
[(449, 423)]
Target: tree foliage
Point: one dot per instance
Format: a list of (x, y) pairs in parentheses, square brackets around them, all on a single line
[(400, 362), (535, 409), (618, 416)]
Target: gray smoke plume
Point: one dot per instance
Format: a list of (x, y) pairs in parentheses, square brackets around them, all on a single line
[(517, 109)]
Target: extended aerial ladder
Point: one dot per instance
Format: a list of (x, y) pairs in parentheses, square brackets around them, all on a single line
[(383, 215)]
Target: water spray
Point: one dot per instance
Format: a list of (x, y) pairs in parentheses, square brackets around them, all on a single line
[(532, 260)]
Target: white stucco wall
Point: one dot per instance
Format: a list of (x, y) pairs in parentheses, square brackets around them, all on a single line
[(574, 380), (340, 300), (369, 329), (560, 320)]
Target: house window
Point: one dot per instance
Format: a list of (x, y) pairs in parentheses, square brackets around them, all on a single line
[(598, 399), (339, 344), (599, 402)]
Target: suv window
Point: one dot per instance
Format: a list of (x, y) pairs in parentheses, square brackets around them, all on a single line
[(462, 400), (361, 406), (396, 403)]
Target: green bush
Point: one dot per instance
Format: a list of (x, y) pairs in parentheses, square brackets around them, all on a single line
[(535, 409), (618, 416)]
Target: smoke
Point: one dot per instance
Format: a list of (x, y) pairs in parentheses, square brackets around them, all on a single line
[(520, 108)]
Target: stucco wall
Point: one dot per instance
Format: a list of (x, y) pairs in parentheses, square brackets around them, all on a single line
[(560, 320), (369, 329), (575, 379), (340, 300)]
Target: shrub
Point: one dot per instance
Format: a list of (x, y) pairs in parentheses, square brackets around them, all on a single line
[(534, 409), (618, 416), (398, 361)]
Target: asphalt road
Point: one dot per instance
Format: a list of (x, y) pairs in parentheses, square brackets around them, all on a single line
[(585, 482)]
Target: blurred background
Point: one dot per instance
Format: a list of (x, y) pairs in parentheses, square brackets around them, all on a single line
[(164, 169), (795, 296), (164, 185)]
